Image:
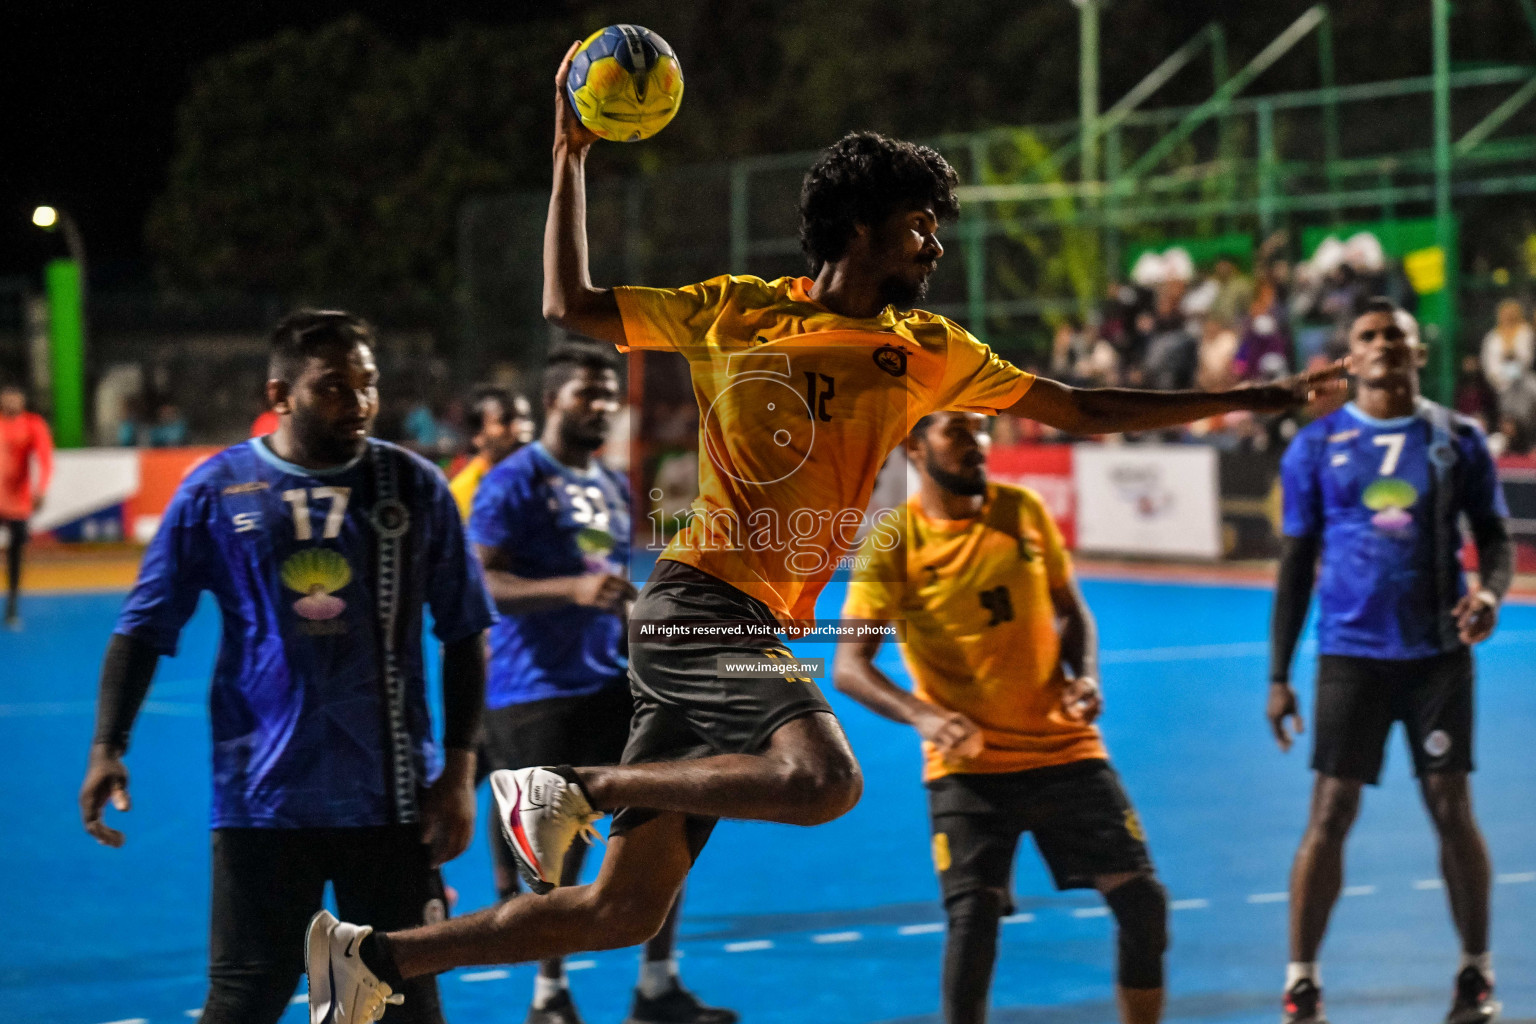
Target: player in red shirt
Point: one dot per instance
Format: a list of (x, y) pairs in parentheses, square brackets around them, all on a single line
[(23, 437)]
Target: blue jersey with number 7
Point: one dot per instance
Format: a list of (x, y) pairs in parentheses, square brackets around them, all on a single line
[(318, 700), (1364, 487)]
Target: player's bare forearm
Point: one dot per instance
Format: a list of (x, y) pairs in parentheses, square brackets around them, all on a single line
[(463, 693), (854, 673), (1118, 410), (570, 300), (519, 595), (1079, 631)]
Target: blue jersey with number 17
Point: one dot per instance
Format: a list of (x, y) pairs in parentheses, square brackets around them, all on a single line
[(319, 695), (1364, 487)]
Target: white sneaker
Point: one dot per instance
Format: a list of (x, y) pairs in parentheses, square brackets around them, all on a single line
[(541, 814), (342, 990)]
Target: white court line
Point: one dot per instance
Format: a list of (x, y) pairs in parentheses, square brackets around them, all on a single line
[(1250, 649), (1522, 876), (1018, 919), (49, 708), (1359, 890), (1191, 652), (922, 929), (748, 947), (194, 1014), (1429, 883), (1196, 904), (130, 1020), (829, 937), (495, 975), (298, 1000), (1091, 912), (580, 965), (1269, 897)]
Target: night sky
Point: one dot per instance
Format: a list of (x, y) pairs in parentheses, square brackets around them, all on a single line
[(88, 95)]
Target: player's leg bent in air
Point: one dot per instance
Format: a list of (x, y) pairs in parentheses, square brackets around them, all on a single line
[(1420, 468), (551, 525), (848, 345), (980, 577)]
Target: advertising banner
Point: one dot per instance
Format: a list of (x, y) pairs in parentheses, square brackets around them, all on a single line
[(1045, 469), (1147, 500)]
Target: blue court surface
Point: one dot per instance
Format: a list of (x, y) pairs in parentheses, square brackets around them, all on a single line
[(839, 923)]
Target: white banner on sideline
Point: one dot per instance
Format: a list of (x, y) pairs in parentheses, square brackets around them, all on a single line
[(1147, 499)]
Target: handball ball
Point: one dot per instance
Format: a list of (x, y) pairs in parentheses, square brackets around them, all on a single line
[(625, 83)]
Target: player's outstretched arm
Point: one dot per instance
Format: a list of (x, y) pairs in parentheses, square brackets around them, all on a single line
[(854, 673), (1117, 410), (126, 672), (570, 300)]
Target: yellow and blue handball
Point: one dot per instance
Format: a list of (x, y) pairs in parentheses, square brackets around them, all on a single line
[(625, 83)]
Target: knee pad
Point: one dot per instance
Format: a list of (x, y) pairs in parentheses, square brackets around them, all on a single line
[(983, 905), (1140, 907)]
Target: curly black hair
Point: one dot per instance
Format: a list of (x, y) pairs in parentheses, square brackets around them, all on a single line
[(863, 178)]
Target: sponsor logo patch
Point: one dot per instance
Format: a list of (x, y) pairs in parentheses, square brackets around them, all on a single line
[(941, 858), (1437, 743), (891, 359)]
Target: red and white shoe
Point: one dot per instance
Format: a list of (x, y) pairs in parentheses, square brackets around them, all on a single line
[(542, 812)]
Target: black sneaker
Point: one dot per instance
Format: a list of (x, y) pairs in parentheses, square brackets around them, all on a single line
[(1303, 1004), (1474, 1002), (559, 1010), (677, 1006)]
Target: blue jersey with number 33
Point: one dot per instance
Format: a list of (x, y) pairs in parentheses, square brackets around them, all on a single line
[(1364, 486), (319, 696), (550, 520)]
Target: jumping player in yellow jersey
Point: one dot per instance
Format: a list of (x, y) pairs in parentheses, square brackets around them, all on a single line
[(1003, 654), (805, 386)]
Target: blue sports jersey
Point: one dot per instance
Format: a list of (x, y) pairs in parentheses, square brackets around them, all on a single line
[(1389, 576), (551, 520), (319, 697)]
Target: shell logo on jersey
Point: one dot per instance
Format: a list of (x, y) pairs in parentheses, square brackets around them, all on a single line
[(941, 858), (317, 573), (1390, 498)]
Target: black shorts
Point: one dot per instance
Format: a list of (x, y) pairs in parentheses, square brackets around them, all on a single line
[(684, 708), (1358, 699), (587, 730), (268, 883), (1082, 821)]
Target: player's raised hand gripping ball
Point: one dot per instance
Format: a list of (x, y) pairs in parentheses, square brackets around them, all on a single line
[(625, 83)]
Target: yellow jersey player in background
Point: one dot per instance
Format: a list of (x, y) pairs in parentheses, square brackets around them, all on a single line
[(1003, 656), (804, 385), (499, 424)]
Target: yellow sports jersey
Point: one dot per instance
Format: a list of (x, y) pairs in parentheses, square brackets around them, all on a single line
[(466, 482), (798, 409), (981, 629)]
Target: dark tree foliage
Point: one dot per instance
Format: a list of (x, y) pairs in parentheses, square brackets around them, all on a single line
[(336, 160)]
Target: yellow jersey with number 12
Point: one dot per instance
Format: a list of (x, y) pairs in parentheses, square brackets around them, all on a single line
[(799, 408)]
